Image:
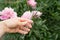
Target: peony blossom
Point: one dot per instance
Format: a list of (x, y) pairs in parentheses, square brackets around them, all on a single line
[(32, 3), (30, 15), (36, 13), (7, 13), (0, 12), (27, 15)]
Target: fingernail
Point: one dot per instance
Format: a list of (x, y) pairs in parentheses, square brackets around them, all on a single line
[(28, 29), (26, 33), (23, 23)]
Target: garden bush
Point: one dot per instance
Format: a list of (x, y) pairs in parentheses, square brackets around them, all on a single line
[(47, 27)]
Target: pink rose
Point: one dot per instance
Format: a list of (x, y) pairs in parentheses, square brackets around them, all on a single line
[(7, 13)]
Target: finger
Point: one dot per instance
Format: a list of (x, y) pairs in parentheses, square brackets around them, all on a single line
[(23, 19), (28, 25), (22, 23), (22, 32), (25, 29)]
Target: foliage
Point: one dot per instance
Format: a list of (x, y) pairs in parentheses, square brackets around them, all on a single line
[(45, 28)]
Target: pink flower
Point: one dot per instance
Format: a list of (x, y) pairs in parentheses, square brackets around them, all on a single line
[(7, 13), (30, 15), (32, 3), (27, 15), (36, 13), (0, 12)]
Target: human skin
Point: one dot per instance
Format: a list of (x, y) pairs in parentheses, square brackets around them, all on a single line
[(15, 25)]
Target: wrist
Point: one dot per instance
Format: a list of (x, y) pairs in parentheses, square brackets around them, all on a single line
[(2, 28)]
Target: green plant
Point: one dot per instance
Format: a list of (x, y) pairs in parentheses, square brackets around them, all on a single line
[(45, 28)]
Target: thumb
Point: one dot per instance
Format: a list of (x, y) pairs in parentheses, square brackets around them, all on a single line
[(22, 23)]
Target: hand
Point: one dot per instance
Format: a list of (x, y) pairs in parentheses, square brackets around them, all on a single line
[(20, 25)]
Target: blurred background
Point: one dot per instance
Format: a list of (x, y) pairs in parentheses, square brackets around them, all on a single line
[(45, 28)]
